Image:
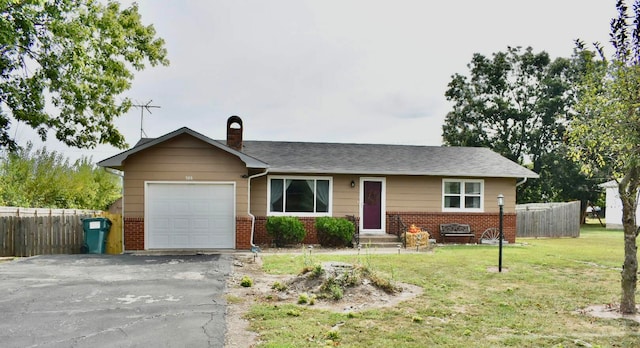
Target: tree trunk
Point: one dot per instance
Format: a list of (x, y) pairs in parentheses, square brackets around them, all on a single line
[(628, 190)]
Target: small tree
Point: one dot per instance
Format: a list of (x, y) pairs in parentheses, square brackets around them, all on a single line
[(285, 230), (605, 135)]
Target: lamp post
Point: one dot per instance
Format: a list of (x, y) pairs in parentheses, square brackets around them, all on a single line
[(501, 205)]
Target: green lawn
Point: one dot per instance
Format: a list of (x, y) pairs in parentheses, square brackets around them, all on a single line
[(532, 304)]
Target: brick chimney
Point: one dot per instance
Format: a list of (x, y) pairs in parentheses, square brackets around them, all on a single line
[(234, 133)]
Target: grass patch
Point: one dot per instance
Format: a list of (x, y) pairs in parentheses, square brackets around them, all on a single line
[(231, 299), (532, 304)]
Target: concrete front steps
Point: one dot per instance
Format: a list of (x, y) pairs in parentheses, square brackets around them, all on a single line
[(379, 241)]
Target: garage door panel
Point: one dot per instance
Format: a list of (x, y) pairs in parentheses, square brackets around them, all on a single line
[(189, 216), (201, 224), (180, 224), (159, 239), (179, 241)]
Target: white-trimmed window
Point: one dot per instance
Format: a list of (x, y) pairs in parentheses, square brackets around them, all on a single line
[(462, 195), (299, 196)]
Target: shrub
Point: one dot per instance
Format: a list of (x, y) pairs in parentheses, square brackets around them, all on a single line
[(279, 286), (246, 282), (303, 298), (293, 313), (332, 288), (317, 271), (285, 230), (332, 335), (334, 231)]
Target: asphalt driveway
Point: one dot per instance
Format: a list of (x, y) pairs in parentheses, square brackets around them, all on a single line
[(113, 301)]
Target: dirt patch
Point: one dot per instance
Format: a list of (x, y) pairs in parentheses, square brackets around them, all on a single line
[(365, 295), (608, 311)]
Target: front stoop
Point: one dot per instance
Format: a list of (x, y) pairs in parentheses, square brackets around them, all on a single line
[(379, 241)]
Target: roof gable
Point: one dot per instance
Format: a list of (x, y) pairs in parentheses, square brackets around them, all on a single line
[(116, 161)]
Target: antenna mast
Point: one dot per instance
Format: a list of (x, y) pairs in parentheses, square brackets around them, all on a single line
[(144, 107)]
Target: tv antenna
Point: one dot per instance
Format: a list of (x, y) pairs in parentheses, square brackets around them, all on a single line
[(144, 107)]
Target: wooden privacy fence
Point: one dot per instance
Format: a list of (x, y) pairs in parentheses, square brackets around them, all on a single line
[(548, 220), (24, 212), (29, 231), (28, 236), (114, 238)]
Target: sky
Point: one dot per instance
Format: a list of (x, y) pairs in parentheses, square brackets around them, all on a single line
[(346, 71)]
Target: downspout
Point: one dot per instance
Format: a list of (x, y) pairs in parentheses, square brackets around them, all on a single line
[(521, 182), (254, 248), (121, 175)]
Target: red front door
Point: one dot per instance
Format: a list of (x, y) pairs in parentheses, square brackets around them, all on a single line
[(372, 205)]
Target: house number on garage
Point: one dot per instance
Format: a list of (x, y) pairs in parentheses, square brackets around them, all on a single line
[(188, 178)]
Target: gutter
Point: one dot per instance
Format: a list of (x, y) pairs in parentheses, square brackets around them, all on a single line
[(254, 248), (521, 182)]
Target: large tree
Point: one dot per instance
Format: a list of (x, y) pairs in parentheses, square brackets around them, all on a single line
[(518, 103), (605, 135), (64, 63)]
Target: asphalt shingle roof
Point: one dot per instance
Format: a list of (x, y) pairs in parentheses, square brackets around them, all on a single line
[(370, 159), (362, 159)]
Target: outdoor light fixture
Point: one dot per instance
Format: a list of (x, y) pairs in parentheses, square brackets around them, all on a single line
[(353, 183), (501, 205)]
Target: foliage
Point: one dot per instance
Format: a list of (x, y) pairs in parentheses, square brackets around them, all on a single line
[(542, 301), (606, 132), (42, 179), (285, 229), (65, 62), (332, 288), (518, 103), (332, 335), (334, 231), (246, 282), (305, 298), (314, 271), (278, 286)]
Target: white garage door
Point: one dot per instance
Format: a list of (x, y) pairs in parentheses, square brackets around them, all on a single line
[(190, 215)]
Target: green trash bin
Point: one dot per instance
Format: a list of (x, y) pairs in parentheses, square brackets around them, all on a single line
[(95, 234)]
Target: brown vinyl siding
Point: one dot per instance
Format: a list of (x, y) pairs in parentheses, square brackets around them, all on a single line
[(414, 194), (404, 194), (259, 196), (495, 186), (346, 198), (176, 159)]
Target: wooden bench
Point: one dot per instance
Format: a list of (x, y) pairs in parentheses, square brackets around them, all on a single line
[(456, 230)]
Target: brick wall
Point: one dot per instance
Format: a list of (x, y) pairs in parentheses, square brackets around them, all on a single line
[(262, 238), (478, 222), (243, 233), (133, 234)]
